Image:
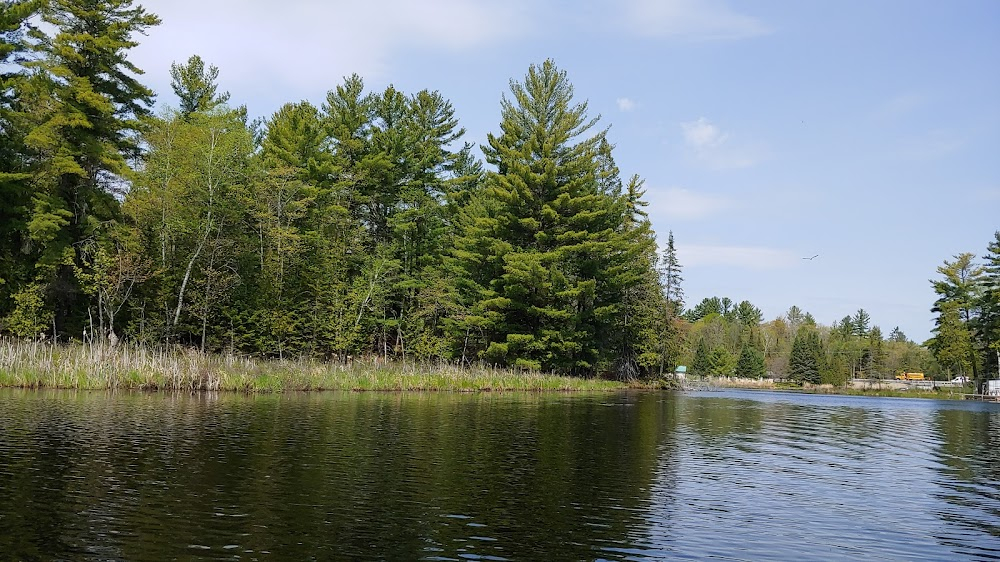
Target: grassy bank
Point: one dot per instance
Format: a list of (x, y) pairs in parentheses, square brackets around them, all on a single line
[(42, 365)]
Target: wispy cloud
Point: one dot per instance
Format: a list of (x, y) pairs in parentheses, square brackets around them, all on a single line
[(311, 45), (988, 194), (684, 204), (744, 257), (714, 147), (901, 105), (930, 145), (625, 104), (691, 19)]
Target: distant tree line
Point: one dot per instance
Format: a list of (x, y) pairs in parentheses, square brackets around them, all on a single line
[(723, 338)]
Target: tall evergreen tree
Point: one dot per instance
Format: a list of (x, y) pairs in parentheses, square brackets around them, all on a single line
[(15, 160), (805, 363), (85, 106), (751, 362), (701, 364), (748, 315), (670, 275), (989, 322), (195, 86), (897, 335), (546, 251), (862, 323), (957, 308)]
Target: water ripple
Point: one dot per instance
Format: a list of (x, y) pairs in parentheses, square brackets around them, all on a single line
[(725, 476)]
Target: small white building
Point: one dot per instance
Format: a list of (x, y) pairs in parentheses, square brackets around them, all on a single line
[(992, 388)]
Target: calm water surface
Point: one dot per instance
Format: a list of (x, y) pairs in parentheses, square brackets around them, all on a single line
[(634, 476)]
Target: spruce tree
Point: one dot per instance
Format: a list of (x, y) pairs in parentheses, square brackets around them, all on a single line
[(806, 361), (702, 363), (751, 362), (670, 276)]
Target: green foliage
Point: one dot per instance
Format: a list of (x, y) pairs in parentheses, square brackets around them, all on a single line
[(721, 363), (957, 306), (30, 316), (195, 86), (702, 364), (989, 319), (79, 109), (806, 361), (553, 256), (748, 314), (862, 323), (670, 275), (366, 227), (751, 362)]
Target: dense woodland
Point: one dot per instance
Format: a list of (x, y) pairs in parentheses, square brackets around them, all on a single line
[(367, 226)]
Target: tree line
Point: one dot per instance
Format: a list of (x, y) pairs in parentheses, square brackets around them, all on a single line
[(723, 338), (362, 226)]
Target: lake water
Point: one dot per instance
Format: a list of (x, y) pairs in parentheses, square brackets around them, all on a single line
[(632, 476)]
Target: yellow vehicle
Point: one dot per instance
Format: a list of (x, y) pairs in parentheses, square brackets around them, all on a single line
[(910, 377)]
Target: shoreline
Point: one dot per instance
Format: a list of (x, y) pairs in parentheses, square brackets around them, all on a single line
[(36, 365), (42, 365), (939, 393)]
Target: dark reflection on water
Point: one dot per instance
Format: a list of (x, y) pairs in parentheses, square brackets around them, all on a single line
[(734, 475)]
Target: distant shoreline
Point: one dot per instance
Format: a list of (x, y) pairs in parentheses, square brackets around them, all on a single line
[(724, 383)]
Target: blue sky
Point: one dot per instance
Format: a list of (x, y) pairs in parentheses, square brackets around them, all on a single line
[(865, 132)]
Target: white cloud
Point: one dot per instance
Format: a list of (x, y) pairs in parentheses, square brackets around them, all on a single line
[(625, 104), (684, 204), (744, 257), (713, 147), (305, 47), (701, 134), (690, 19)]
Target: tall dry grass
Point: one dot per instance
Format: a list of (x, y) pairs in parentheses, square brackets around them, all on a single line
[(32, 364)]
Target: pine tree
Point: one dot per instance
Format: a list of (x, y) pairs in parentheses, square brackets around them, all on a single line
[(897, 335), (748, 315), (195, 86), (547, 252), (958, 295), (15, 159), (85, 107), (862, 323)]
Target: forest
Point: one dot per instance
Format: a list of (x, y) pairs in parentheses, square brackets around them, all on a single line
[(366, 226)]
